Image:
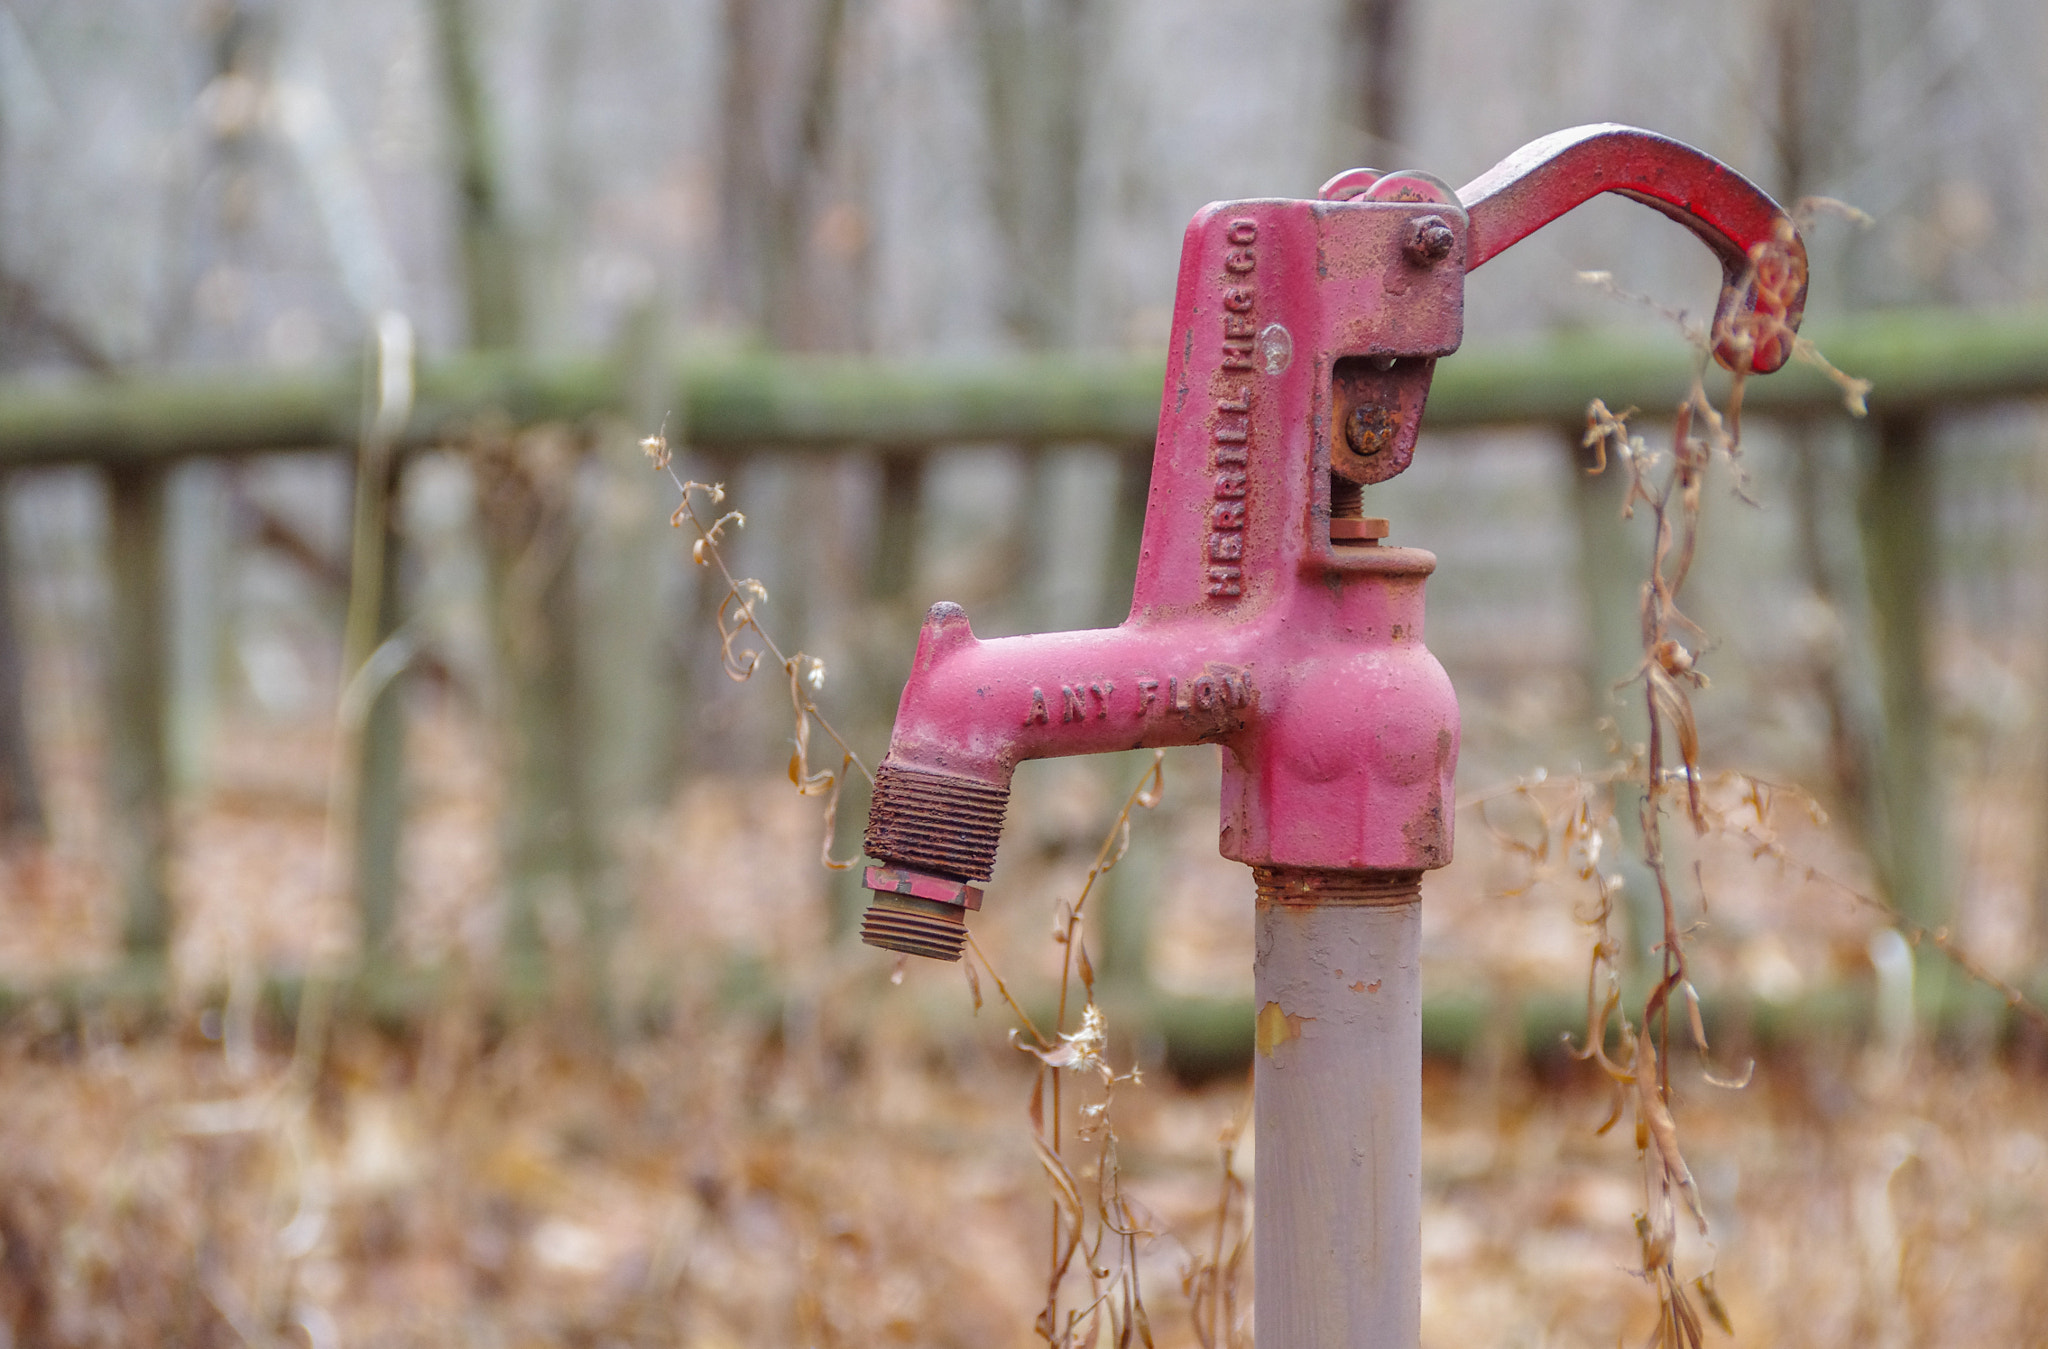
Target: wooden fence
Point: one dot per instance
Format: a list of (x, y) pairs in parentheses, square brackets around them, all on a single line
[(731, 405)]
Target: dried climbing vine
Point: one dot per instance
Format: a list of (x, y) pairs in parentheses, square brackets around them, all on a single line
[(1634, 1050), (1097, 1227), (738, 618)]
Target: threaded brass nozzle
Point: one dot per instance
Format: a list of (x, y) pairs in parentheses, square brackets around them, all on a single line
[(917, 927)]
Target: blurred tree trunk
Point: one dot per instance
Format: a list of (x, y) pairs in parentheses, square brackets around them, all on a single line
[(1034, 74), (1037, 68), (796, 227), (493, 292), (526, 488), (1830, 54), (1812, 129), (1374, 38), (792, 227), (795, 230), (1881, 41), (1035, 81)]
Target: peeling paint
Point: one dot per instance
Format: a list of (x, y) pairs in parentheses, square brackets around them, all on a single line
[(1277, 1027)]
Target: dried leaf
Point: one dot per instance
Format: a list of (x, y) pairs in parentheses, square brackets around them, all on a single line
[(1066, 1192), (1692, 1012), (1153, 785), (1716, 1309), (1663, 1130)]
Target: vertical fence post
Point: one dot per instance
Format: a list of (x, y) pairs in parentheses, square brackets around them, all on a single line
[(899, 509), (1851, 771), (1899, 524), (137, 767), (1612, 569), (892, 562), (1132, 889), (373, 721), (526, 490), (2038, 556), (626, 712), (21, 804), (710, 743)]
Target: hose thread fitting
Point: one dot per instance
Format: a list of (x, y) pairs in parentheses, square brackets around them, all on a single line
[(1308, 886), (935, 822), (915, 927)]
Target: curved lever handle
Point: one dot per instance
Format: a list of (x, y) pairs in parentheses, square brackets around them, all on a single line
[(1763, 261)]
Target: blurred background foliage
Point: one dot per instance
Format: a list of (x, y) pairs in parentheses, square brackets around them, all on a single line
[(410, 935)]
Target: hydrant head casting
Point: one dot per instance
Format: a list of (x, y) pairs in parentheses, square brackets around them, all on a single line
[(1267, 616)]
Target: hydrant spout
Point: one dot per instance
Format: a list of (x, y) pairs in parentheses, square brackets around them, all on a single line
[(1338, 731), (977, 709), (973, 710)]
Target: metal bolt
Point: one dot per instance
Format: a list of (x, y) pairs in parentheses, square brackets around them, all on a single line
[(1367, 530), (1347, 498), (1429, 240), (1370, 429)]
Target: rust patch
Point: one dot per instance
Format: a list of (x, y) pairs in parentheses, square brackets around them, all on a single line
[(1363, 987), (1426, 834), (935, 821), (1376, 408), (1309, 888), (1277, 1027)]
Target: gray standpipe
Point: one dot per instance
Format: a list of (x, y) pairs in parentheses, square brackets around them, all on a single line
[(1338, 1109)]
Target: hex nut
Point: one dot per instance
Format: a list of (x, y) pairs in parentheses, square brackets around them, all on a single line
[(1370, 428), (1430, 240)]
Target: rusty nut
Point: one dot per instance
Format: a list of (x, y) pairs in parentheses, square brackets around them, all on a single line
[(1429, 240), (1370, 428)]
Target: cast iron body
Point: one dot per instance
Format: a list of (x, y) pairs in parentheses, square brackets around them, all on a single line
[(1266, 617)]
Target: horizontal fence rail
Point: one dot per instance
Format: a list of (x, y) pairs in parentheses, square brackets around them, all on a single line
[(1914, 359), (1918, 362)]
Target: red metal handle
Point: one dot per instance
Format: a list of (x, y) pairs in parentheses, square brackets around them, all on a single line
[(1763, 261)]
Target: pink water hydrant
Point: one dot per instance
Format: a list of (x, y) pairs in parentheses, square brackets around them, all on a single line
[(1270, 619)]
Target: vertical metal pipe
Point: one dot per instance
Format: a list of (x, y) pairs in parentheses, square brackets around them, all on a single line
[(1338, 1105)]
